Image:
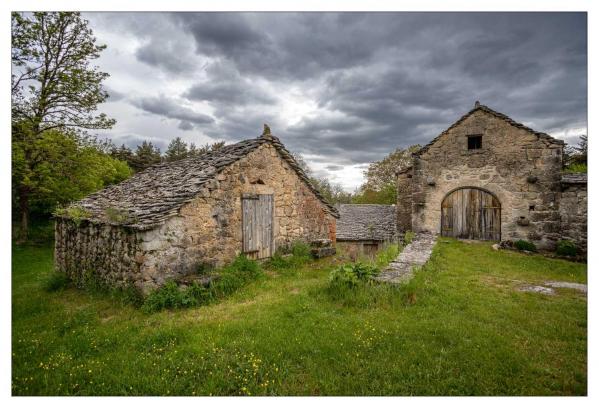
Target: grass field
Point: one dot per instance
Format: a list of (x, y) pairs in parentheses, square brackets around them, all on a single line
[(459, 328)]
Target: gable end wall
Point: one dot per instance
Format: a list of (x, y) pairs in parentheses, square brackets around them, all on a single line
[(509, 160), (208, 230)]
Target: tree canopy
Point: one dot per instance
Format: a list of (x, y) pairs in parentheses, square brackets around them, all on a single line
[(53, 83), (55, 93), (66, 168), (380, 184)]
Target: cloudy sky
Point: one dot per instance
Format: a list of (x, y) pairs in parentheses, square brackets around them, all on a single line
[(341, 89)]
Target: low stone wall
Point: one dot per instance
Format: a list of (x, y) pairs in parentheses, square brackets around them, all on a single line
[(107, 252), (573, 213), (358, 249)]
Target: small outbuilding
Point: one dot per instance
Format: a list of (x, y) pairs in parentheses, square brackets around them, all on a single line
[(175, 218), (365, 228)]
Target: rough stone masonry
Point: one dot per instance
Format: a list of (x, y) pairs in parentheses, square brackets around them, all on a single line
[(174, 218), (522, 168)]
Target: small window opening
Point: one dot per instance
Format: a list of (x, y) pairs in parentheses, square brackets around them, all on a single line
[(475, 142), (531, 208)]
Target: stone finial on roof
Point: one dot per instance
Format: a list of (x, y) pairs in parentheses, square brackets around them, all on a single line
[(266, 132), (476, 104)]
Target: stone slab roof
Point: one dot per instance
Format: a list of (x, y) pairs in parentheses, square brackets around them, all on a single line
[(361, 222), (574, 178), (483, 108), (150, 197)]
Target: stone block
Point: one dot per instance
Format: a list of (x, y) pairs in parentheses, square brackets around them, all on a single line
[(323, 252)]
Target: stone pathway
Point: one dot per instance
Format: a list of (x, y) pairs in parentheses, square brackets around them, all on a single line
[(415, 254), (570, 285), (553, 284)]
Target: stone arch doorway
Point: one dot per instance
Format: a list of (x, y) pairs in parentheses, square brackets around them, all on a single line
[(471, 213)]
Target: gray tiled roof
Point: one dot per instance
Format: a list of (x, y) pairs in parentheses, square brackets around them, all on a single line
[(359, 222), (574, 178), (150, 197)]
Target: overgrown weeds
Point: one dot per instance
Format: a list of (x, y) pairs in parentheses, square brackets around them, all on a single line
[(230, 279), (386, 255), (576, 168), (56, 281), (289, 260)]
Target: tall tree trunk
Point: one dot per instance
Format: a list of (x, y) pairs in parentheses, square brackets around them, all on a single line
[(24, 209)]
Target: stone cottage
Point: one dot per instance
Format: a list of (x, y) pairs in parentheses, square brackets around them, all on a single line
[(365, 228), (171, 219), (488, 177)]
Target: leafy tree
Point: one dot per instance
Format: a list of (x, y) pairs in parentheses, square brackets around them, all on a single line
[(193, 150), (386, 195), (332, 192), (177, 150), (577, 154), (146, 155), (122, 153), (380, 185), (53, 87), (66, 168)]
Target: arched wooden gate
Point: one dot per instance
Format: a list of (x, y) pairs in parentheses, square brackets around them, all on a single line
[(471, 213)]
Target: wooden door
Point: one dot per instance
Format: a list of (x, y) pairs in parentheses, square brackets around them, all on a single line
[(471, 213), (257, 224)]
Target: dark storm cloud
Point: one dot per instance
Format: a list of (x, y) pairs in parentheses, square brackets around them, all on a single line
[(169, 108), (377, 80), (400, 78), (164, 55), (225, 86)]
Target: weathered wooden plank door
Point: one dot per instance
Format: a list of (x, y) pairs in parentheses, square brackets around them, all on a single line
[(257, 224), (471, 213)]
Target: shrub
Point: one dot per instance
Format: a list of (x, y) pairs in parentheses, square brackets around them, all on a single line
[(234, 276), (408, 237), (296, 255), (75, 213), (231, 278), (352, 274), (523, 245), (55, 282), (167, 297), (566, 248), (300, 249)]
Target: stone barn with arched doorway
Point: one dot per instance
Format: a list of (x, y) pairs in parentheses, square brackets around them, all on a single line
[(488, 177)]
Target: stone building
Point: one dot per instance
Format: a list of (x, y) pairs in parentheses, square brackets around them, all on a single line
[(173, 218), (365, 228), (489, 177)]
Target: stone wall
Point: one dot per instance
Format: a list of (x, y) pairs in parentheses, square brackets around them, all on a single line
[(404, 200), (356, 250), (573, 214), (109, 253), (208, 230), (522, 169)]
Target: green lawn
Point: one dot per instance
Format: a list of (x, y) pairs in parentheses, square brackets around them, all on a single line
[(459, 328)]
